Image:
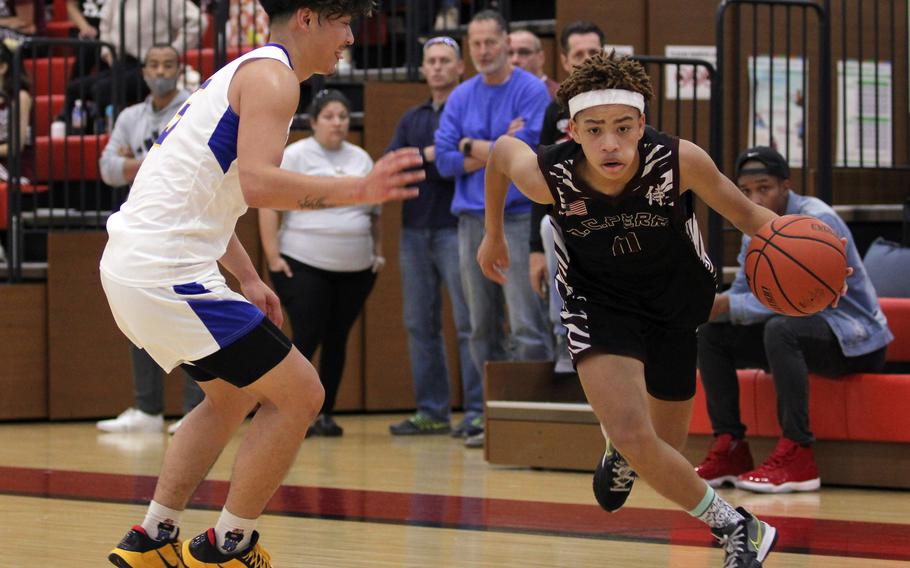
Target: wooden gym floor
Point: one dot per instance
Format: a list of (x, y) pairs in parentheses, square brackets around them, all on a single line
[(69, 492)]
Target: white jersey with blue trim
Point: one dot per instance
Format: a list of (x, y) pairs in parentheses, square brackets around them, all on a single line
[(186, 199)]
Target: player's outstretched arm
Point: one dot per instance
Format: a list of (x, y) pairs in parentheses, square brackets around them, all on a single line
[(511, 160), (264, 93), (698, 172)]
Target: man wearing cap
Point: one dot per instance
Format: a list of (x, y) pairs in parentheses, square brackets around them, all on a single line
[(428, 253), (742, 333)]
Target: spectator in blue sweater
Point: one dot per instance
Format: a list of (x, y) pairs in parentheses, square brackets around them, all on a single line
[(501, 99)]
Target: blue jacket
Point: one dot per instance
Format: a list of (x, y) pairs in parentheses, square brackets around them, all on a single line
[(858, 321), (481, 111)]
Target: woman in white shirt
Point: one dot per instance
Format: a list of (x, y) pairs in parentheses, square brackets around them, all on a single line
[(323, 262)]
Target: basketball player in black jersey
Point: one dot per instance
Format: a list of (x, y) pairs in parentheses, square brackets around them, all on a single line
[(635, 279)]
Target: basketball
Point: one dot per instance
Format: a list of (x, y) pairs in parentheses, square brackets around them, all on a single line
[(796, 265)]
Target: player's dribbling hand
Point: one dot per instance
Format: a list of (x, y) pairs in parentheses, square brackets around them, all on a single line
[(493, 257), (263, 298), (393, 177)]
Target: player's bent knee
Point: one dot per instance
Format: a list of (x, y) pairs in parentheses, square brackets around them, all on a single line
[(633, 441)]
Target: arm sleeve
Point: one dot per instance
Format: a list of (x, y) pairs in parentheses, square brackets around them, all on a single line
[(745, 309), (538, 211), (449, 160), (111, 163)]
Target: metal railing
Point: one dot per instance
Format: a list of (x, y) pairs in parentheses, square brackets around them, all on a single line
[(693, 84), (777, 118), (63, 190)]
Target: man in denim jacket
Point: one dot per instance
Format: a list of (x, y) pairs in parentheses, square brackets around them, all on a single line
[(742, 333)]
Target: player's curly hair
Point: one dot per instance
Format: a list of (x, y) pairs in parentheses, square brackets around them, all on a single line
[(329, 9), (604, 71)]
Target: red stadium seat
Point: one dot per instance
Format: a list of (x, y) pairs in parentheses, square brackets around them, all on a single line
[(203, 60), (72, 158), (46, 108), (4, 199), (49, 75)]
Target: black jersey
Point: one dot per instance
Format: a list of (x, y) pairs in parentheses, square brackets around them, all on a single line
[(638, 253)]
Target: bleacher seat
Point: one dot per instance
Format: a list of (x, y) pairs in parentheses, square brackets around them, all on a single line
[(49, 75), (46, 108), (859, 407), (4, 199), (203, 60), (73, 158)]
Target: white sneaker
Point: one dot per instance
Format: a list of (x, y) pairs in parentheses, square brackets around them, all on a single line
[(172, 429), (133, 420)]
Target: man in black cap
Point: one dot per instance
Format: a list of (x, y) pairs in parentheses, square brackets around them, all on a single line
[(742, 333)]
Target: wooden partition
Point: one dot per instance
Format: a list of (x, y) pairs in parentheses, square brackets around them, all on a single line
[(387, 374), (89, 372), (23, 351)]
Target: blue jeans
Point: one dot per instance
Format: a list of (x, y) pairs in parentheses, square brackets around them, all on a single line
[(530, 339), (429, 258)]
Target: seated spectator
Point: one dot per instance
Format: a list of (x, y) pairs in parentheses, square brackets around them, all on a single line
[(323, 261), (742, 333), (429, 258), (20, 19), (134, 133), (526, 51), (177, 23), (24, 99), (86, 16)]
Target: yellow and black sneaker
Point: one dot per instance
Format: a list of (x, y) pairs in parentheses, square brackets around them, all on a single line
[(139, 550), (202, 551)]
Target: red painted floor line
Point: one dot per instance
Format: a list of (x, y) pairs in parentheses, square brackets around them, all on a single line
[(797, 535)]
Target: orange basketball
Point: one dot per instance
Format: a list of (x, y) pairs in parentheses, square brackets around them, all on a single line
[(796, 265)]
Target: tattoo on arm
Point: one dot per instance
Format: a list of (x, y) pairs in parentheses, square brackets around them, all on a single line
[(312, 203)]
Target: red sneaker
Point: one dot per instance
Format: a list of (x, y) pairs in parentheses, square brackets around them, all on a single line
[(790, 467), (727, 458)]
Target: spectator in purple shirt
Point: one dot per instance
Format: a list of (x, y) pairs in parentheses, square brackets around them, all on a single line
[(501, 99)]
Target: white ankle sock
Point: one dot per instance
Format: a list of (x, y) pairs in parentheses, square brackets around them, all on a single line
[(233, 533), (714, 511), (161, 522)]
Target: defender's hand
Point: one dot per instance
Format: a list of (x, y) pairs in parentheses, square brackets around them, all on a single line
[(263, 298), (390, 178)]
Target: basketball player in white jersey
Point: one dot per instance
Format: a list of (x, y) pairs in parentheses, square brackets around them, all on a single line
[(220, 154)]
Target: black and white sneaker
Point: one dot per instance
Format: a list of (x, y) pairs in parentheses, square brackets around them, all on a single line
[(613, 479), (747, 543)]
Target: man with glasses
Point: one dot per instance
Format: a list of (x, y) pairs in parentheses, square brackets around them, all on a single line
[(429, 258), (501, 99), (526, 51), (134, 133)]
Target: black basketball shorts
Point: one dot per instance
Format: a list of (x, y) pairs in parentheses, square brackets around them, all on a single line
[(669, 354)]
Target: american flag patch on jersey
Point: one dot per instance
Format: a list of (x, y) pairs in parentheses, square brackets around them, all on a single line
[(577, 207)]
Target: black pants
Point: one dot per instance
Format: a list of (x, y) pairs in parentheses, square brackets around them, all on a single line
[(323, 306), (99, 89), (788, 347)]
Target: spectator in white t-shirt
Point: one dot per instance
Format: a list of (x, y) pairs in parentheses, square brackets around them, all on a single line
[(323, 262)]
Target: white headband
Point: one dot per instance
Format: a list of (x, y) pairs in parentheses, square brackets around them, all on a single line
[(590, 99)]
